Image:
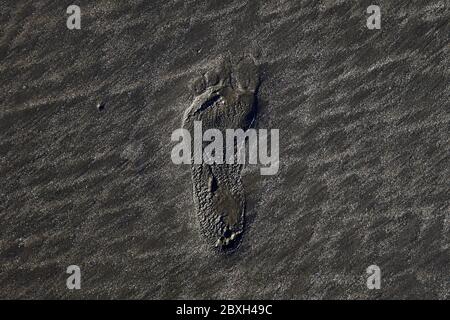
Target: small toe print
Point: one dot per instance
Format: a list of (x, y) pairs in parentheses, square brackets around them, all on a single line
[(198, 85), (212, 78)]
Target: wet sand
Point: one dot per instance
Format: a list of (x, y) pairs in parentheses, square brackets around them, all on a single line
[(364, 150)]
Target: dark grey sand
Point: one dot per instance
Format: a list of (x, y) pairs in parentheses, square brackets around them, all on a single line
[(364, 150)]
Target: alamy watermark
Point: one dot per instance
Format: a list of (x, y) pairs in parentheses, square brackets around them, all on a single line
[(374, 280), (74, 280), (74, 20), (191, 150), (374, 20)]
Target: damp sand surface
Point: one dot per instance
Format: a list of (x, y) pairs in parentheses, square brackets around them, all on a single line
[(364, 150)]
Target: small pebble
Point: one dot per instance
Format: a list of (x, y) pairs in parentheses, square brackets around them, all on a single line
[(100, 106)]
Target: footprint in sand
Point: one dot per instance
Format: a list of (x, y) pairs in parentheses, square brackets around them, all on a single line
[(225, 98)]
